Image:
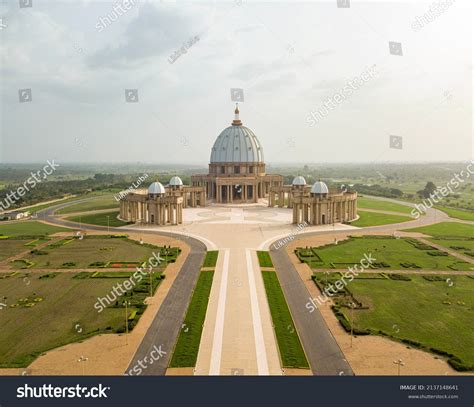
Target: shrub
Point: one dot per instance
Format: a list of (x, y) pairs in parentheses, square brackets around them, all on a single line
[(38, 252), (437, 253), (434, 278), (458, 364), (69, 264), (410, 265), (399, 277)]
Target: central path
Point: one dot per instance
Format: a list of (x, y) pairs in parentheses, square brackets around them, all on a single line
[(238, 337)]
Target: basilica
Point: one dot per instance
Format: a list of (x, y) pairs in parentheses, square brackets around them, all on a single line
[(237, 176)]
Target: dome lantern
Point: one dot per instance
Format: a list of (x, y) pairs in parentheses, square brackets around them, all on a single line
[(156, 189), (237, 121), (299, 181), (319, 188), (176, 182)]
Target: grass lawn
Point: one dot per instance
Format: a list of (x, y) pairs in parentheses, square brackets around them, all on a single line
[(434, 314), (11, 247), (457, 213), (100, 219), (291, 351), (211, 258), (375, 219), (54, 309), (102, 202), (463, 246), (40, 206), (264, 259), (388, 252), (93, 252), (187, 346), (446, 229), (29, 228), (370, 203)]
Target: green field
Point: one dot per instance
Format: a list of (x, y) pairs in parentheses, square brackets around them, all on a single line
[(457, 213), (11, 247), (103, 202), (211, 259), (187, 346), (40, 206), (389, 253), (446, 229), (94, 252), (435, 315), (376, 219), (462, 246), (264, 259), (101, 219), (29, 228), (291, 351), (370, 203), (45, 311)]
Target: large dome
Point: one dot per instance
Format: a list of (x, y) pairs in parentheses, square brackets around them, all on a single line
[(237, 144)]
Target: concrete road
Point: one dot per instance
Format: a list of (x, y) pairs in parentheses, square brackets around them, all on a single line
[(322, 351), (164, 330)]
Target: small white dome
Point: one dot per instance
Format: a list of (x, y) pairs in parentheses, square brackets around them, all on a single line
[(319, 187), (176, 181), (299, 180), (156, 188)]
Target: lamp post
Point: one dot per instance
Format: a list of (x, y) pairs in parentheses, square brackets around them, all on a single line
[(399, 363), (126, 303), (82, 360), (151, 283), (108, 224), (351, 304)]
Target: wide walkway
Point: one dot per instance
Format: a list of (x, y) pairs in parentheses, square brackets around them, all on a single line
[(238, 336)]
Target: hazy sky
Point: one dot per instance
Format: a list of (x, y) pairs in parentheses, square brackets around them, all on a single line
[(288, 57)]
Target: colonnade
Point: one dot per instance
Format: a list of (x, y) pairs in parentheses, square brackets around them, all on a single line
[(317, 211), (157, 211)]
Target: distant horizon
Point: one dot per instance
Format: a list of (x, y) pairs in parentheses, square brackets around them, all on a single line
[(271, 163)]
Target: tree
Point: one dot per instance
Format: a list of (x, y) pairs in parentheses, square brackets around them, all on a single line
[(429, 188)]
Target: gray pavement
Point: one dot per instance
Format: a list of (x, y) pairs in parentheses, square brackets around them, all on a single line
[(322, 351)]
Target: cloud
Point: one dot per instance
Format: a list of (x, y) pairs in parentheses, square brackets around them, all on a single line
[(155, 32)]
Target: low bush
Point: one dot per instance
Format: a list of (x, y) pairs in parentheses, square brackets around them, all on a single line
[(399, 277)]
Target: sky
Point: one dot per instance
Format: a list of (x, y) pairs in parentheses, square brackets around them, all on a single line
[(319, 82)]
